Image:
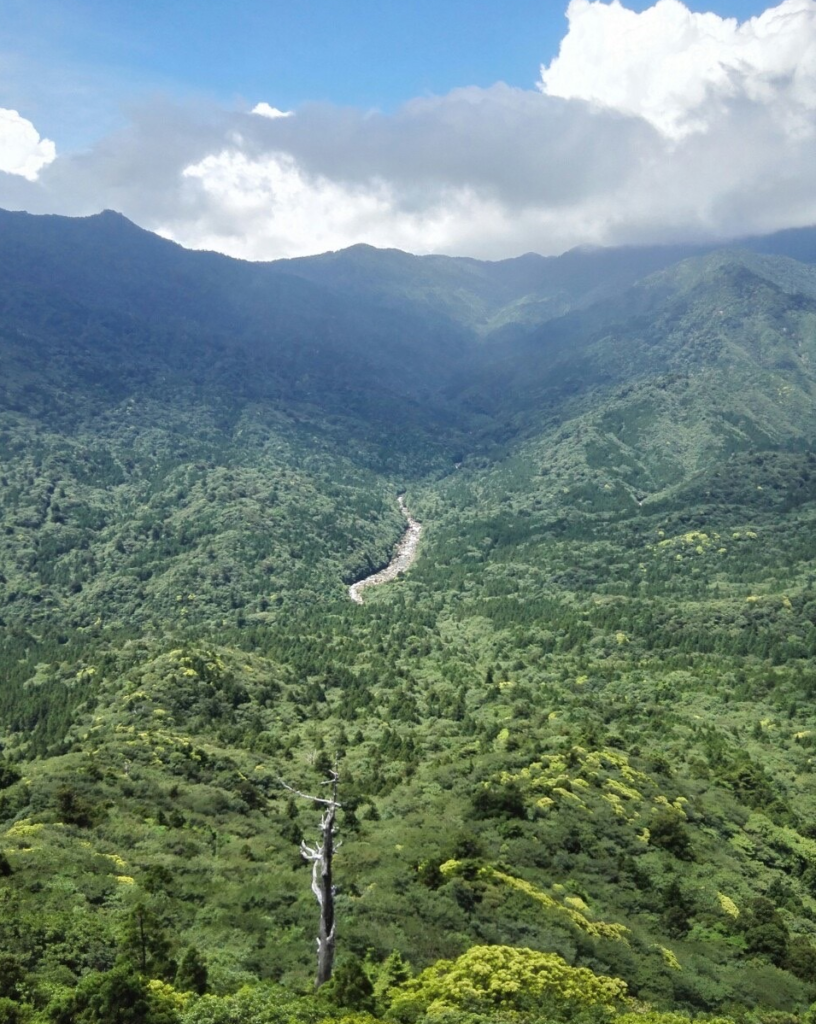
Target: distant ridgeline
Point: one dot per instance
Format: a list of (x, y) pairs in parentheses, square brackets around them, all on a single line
[(575, 740)]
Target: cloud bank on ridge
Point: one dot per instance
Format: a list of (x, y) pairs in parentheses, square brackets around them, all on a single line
[(656, 126)]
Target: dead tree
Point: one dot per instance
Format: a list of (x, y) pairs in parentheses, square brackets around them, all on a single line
[(321, 856)]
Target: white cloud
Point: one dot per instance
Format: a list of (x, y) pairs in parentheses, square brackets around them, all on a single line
[(650, 127), (295, 213), (266, 110), (22, 151), (677, 68)]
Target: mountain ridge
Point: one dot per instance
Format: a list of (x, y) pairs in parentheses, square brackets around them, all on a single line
[(636, 261), (580, 727)]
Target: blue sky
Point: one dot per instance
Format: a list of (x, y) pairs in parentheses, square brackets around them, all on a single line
[(461, 126), (74, 63)]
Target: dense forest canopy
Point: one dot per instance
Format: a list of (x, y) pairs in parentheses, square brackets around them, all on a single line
[(575, 741)]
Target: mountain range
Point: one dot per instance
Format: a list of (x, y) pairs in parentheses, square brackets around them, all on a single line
[(579, 727)]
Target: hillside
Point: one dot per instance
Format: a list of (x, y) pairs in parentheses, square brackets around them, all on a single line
[(581, 726)]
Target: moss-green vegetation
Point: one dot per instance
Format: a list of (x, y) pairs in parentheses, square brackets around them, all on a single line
[(575, 741)]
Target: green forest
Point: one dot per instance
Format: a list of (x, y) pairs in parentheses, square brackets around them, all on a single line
[(575, 741)]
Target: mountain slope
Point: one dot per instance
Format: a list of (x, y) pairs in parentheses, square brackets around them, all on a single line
[(582, 724), (106, 266), (722, 343), (493, 297)]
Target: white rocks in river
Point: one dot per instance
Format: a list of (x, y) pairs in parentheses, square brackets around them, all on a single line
[(402, 560)]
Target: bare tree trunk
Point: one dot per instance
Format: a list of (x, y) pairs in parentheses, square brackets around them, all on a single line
[(321, 856), (324, 891)]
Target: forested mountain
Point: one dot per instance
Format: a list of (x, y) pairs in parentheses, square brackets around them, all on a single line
[(575, 741)]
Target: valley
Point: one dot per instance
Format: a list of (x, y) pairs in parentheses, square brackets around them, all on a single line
[(576, 740), (401, 561)]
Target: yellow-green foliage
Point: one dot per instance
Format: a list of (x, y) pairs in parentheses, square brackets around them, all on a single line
[(781, 837), (597, 928), (727, 905), (560, 778), (658, 1017), (670, 958), (351, 1018), (493, 977), (695, 539), (695, 542), (169, 998), (24, 830)]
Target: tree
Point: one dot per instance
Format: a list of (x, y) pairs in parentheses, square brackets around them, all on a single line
[(118, 996), (351, 987), (13, 1012), (765, 932), (667, 829), (12, 975), (8, 774), (678, 911), (801, 959), (490, 978), (393, 972), (321, 856), (146, 945), (191, 975)]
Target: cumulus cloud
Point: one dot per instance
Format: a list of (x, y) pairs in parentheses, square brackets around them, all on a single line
[(678, 69), (267, 110), (650, 127), (22, 151), (299, 214), (442, 174)]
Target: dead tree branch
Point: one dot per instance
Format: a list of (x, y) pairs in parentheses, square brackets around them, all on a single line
[(321, 856)]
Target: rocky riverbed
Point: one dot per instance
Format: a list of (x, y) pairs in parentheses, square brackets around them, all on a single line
[(403, 558)]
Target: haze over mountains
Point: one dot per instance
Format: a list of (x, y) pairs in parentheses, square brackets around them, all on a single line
[(415, 317), (581, 724)]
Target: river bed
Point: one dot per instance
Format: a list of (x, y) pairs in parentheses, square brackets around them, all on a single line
[(403, 558)]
